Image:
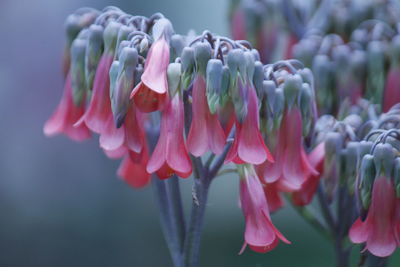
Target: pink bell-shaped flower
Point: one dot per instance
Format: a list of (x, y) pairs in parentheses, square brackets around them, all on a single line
[(306, 193), (260, 234), (379, 230), (64, 117), (151, 93), (98, 113), (291, 167), (205, 132), (249, 146), (170, 154)]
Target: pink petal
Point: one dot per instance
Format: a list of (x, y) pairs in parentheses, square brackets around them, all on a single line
[(99, 109), (117, 153), (111, 137), (133, 131)]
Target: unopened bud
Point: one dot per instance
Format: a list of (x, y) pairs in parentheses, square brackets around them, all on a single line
[(123, 33), (144, 45), (124, 84), (258, 78), (110, 37), (177, 45), (94, 50), (224, 95), (291, 89), (187, 64), (367, 177), (162, 27), (202, 54), (174, 78), (78, 82), (250, 66), (214, 82), (384, 159)]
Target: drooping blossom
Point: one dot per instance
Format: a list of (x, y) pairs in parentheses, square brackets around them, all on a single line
[(305, 194), (151, 93), (291, 167), (64, 117), (170, 154), (205, 132), (98, 113), (260, 233), (133, 168), (379, 230), (248, 145), (273, 195), (392, 89)]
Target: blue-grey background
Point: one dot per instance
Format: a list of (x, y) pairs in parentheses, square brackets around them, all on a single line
[(61, 203)]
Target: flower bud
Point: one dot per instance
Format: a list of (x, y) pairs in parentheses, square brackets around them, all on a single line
[(306, 107), (214, 82), (351, 157), (78, 82), (124, 84), (322, 69), (258, 78), (224, 95), (250, 68), (384, 159), (269, 89), (177, 45), (174, 78), (187, 64), (123, 33), (162, 27), (367, 177), (72, 27), (202, 54), (235, 61), (121, 46), (278, 107), (144, 45), (291, 89), (138, 73), (364, 148), (110, 37), (94, 50), (256, 55)]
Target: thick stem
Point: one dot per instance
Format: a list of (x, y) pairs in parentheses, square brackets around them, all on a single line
[(373, 261), (192, 242), (177, 216)]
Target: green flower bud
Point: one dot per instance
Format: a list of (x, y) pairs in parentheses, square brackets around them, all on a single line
[(124, 84), (214, 82), (187, 64), (258, 78), (78, 83), (174, 78), (367, 177), (162, 27), (177, 45), (291, 89), (110, 36), (94, 50), (202, 54), (224, 95), (384, 159)]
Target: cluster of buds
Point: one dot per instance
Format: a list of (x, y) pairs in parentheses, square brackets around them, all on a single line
[(360, 173), (365, 67)]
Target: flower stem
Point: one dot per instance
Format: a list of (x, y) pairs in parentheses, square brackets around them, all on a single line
[(191, 250)]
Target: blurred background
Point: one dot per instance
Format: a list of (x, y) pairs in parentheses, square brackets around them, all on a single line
[(61, 203)]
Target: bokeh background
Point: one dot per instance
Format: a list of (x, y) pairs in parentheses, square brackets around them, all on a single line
[(61, 203)]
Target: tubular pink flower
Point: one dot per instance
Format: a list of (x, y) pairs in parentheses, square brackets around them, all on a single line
[(205, 132), (249, 146), (170, 154), (130, 135), (392, 89), (65, 116), (274, 198), (260, 234), (133, 169), (97, 115), (306, 193), (379, 230), (151, 93), (292, 167)]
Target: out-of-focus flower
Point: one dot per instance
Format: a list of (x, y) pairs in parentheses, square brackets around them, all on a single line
[(64, 117)]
